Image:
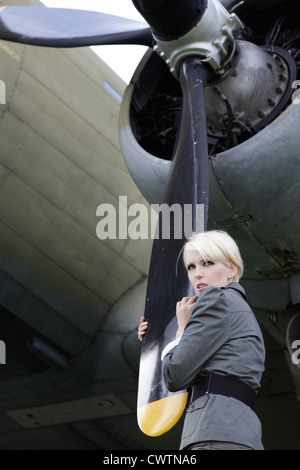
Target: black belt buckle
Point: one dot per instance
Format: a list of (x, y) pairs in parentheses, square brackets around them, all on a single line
[(200, 388)]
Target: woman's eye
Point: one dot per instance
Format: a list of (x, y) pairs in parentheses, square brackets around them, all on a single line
[(190, 267), (208, 263)]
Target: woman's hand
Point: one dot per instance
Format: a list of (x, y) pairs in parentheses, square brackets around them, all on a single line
[(184, 310), (143, 326)]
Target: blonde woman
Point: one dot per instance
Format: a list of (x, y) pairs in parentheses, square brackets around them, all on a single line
[(218, 352)]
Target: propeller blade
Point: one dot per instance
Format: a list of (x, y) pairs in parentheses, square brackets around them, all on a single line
[(170, 19), (168, 282), (60, 27)]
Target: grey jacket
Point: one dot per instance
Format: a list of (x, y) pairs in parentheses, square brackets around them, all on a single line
[(221, 337)]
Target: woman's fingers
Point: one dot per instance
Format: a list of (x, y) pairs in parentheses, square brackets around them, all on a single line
[(183, 308), (143, 326)]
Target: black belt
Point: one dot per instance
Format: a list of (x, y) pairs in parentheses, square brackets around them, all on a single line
[(226, 385)]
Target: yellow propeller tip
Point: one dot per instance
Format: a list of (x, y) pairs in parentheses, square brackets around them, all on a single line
[(160, 416)]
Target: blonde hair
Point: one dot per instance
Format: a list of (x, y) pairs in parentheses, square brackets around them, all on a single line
[(216, 245)]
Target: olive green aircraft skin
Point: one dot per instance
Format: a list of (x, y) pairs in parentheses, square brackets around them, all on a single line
[(60, 159)]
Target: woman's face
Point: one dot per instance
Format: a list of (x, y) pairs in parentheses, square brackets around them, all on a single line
[(203, 274)]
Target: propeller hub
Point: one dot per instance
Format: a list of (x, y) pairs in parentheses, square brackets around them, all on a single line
[(254, 85), (211, 39)]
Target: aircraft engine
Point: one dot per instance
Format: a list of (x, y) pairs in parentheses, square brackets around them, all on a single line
[(247, 90)]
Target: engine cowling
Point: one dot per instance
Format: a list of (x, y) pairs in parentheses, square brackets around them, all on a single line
[(241, 99)]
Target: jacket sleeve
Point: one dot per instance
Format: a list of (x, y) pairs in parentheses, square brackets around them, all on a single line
[(206, 331)]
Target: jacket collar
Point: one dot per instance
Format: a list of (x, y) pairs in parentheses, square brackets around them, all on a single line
[(236, 286)]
